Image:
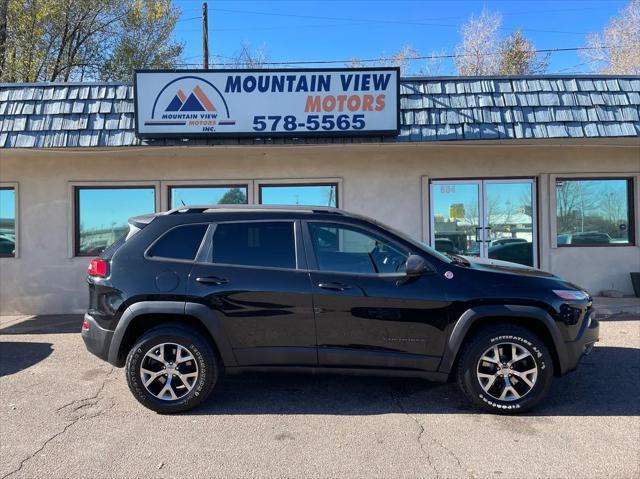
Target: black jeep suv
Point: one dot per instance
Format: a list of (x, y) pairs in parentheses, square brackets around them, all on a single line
[(196, 292)]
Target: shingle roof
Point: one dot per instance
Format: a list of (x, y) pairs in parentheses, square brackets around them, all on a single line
[(445, 108)]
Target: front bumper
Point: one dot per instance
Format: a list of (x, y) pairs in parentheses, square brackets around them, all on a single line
[(583, 344), (96, 339)]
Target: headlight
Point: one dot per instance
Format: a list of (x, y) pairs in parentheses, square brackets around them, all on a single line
[(571, 294)]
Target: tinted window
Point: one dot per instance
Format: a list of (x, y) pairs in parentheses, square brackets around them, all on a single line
[(307, 195), (7, 222), (593, 212), (207, 195), (255, 244), (102, 215), (350, 250), (182, 242)]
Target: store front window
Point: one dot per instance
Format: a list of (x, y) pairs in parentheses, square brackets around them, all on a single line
[(102, 214), (325, 194), (493, 219), (7, 222), (593, 212), (207, 195)]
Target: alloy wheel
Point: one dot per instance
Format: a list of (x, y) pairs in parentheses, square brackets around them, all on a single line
[(507, 371), (169, 371)]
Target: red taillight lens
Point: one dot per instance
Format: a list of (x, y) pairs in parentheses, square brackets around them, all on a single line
[(85, 326), (97, 267)]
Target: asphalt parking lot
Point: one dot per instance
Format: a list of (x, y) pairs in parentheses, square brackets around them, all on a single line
[(65, 413)]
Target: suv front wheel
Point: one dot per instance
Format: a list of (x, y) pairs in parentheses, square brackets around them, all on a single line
[(171, 369), (505, 369)]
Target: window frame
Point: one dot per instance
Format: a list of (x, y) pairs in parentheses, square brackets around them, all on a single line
[(10, 185), (631, 227), (205, 255), (76, 187), (311, 253), (168, 259), (168, 186), (336, 182)]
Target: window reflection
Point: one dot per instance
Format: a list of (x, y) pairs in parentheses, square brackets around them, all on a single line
[(7, 222), (593, 212), (208, 195), (103, 214), (308, 195)]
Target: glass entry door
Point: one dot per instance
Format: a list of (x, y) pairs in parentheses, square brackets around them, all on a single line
[(486, 218)]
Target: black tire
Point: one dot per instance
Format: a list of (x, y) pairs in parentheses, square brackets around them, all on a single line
[(471, 367), (205, 360)]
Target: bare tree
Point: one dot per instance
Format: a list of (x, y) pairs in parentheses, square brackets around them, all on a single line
[(478, 54), (402, 58), (617, 49), (518, 56), (249, 57)]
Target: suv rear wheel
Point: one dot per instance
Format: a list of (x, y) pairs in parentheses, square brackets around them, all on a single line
[(505, 369), (171, 369)]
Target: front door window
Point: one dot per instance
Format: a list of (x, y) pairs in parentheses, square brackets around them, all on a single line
[(487, 218)]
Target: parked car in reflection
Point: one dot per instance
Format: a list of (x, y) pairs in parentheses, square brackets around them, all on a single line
[(515, 252), (586, 237), (7, 245), (445, 245)]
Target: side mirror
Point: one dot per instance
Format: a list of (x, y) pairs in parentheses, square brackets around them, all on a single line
[(416, 266)]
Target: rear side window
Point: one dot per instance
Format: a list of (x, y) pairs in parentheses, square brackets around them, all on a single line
[(264, 244), (182, 242)]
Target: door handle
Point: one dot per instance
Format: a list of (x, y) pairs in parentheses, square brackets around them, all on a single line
[(334, 286), (212, 280)]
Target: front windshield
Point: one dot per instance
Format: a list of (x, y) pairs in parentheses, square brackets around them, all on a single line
[(428, 249)]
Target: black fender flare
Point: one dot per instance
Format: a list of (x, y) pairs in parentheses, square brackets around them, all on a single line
[(477, 313), (207, 318)]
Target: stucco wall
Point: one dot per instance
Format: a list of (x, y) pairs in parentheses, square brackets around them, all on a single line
[(386, 181)]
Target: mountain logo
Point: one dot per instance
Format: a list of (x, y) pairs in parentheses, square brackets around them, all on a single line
[(191, 102), (196, 101)]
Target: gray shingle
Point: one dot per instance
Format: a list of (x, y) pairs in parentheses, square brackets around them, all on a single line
[(563, 114), (444, 109), (484, 100), (556, 130), (574, 129), (549, 99), (421, 117), (449, 132), (585, 84), (434, 87), (503, 86)]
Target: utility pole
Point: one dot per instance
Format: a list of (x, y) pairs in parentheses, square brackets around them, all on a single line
[(205, 37)]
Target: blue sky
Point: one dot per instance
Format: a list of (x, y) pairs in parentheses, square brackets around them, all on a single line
[(336, 30)]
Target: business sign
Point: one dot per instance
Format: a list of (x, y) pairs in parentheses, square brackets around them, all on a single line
[(202, 103)]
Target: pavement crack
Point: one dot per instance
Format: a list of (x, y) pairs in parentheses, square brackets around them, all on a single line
[(95, 396), (422, 434), (404, 411), (84, 406)]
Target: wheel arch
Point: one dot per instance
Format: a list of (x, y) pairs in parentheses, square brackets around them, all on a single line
[(531, 317), (140, 317)]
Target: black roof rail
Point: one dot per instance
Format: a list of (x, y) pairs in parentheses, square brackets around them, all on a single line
[(190, 209)]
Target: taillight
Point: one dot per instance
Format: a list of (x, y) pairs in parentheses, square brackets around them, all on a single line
[(97, 267)]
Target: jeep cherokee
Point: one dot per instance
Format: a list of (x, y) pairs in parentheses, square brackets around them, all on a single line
[(188, 295)]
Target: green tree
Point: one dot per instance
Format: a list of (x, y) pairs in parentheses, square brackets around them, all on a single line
[(145, 40), (63, 40), (518, 56), (235, 196)]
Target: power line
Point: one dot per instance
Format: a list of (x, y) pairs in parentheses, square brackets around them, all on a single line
[(408, 58), (361, 21)]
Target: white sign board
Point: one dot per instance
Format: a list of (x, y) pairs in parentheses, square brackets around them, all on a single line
[(197, 103)]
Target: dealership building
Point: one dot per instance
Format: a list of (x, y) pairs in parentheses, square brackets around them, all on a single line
[(543, 171)]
